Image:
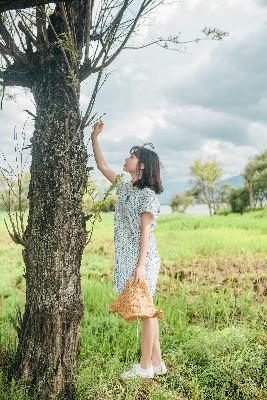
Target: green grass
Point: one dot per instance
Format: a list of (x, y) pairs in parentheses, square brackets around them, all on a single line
[(212, 288)]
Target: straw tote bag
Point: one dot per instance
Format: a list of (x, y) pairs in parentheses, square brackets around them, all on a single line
[(135, 302)]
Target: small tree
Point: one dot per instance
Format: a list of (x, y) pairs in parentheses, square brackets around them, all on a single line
[(181, 201), (260, 187), (239, 199), (205, 182), (254, 174)]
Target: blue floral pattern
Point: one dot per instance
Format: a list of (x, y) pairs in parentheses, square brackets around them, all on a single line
[(132, 201)]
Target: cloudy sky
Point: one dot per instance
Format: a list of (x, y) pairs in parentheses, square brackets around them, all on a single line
[(207, 101)]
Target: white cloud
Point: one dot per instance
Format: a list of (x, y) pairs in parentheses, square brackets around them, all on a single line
[(210, 100)]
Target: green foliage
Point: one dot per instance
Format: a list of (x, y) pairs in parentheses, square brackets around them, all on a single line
[(239, 200), (255, 175), (102, 205), (180, 202), (223, 211), (105, 205), (205, 182), (260, 186), (72, 57), (106, 202), (17, 195), (214, 33), (88, 196), (95, 201)]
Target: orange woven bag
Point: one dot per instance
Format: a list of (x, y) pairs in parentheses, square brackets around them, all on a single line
[(135, 302)]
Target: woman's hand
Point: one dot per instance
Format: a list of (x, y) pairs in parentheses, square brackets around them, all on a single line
[(139, 274), (98, 126)]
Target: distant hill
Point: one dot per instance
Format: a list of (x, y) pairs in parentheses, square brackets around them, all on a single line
[(171, 188), (236, 181)]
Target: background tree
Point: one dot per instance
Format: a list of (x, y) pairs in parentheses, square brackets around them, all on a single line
[(50, 50), (239, 199), (94, 198), (205, 181), (181, 201), (260, 188), (255, 178), (223, 191), (254, 191), (260, 178)]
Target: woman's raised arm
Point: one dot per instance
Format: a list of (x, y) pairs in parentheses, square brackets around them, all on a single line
[(99, 158)]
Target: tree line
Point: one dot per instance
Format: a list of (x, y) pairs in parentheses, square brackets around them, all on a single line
[(206, 187)]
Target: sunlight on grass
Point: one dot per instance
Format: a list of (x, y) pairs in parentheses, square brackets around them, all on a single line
[(212, 288)]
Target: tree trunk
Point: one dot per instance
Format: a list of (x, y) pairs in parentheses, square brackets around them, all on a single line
[(49, 334), (250, 189)]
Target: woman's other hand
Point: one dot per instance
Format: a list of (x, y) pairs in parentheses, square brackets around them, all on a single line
[(98, 126), (139, 274)]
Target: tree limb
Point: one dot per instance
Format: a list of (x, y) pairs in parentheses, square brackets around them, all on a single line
[(88, 24), (10, 43), (6, 5), (27, 32)]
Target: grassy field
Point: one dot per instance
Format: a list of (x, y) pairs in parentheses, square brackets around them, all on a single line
[(212, 288)]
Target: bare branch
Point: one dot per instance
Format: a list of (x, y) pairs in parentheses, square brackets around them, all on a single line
[(17, 31), (40, 25), (113, 28), (93, 97), (15, 77), (110, 59), (66, 23), (30, 113), (119, 32), (27, 32), (10, 43), (5, 51), (6, 5), (58, 39), (88, 24)]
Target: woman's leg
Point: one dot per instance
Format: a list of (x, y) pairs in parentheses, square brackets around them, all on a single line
[(147, 339), (156, 352)]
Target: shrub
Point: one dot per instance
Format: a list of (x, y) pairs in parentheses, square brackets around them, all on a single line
[(239, 200)]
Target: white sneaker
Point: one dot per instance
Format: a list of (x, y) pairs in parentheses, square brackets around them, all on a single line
[(137, 370), (160, 369)]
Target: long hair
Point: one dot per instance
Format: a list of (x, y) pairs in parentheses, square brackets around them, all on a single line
[(151, 172)]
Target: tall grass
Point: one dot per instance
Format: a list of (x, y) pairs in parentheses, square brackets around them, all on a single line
[(212, 288)]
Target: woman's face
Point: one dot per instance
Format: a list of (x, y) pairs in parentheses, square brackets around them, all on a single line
[(130, 163)]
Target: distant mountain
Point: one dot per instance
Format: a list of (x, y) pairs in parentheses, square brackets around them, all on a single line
[(171, 188), (236, 181)]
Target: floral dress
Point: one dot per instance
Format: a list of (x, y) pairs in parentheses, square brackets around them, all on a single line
[(131, 203)]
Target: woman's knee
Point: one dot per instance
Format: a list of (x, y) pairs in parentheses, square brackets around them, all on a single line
[(148, 319)]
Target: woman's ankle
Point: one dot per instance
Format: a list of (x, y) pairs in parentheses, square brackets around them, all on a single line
[(156, 361), (146, 364)]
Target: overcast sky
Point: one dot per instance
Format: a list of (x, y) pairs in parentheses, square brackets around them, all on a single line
[(209, 101)]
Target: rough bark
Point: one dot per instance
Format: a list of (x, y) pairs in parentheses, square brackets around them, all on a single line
[(49, 335)]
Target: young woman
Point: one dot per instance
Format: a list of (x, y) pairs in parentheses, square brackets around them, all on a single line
[(136, 252)]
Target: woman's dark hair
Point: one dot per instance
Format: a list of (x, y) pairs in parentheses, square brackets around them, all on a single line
[(151, 172)]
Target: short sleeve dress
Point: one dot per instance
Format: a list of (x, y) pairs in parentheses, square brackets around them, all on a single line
[(132, 201)]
